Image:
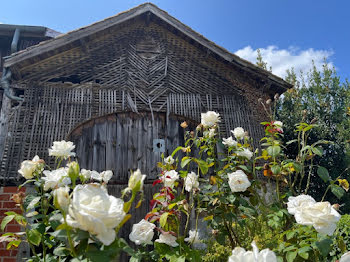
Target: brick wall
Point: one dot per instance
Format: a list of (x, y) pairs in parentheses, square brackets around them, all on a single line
[(6, 204)]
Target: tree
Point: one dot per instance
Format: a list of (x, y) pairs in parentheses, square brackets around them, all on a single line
[(322, 98)]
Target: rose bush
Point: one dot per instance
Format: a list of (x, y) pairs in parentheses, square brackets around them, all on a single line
[(69, 215), (212, 192)]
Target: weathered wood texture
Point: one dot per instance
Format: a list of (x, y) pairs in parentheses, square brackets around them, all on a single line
[(5, 50), (134, 68), (124, 141)]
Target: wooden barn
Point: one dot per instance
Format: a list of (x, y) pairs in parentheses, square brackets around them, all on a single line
[(119, 89)]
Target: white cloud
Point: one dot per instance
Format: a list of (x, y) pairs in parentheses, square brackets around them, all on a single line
[(282, 59)]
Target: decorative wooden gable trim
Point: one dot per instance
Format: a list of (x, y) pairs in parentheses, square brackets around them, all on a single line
[(73, 39)]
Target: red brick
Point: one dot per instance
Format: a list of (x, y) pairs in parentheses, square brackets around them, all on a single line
[(7, 259), (5, 197), (5, 253), (14, 252), (10, 189), (10, 205), (13, 228)]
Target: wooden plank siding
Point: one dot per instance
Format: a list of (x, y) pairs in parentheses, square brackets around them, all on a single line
[(50, 113)]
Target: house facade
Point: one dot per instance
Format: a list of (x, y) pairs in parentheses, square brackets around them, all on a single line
[(119, 90)]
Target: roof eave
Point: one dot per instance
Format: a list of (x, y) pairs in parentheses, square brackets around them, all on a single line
[(70, 37)]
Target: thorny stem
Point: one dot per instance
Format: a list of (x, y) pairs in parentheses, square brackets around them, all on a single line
[(229, 233), (325, 193), (308, 178), (69, 237)]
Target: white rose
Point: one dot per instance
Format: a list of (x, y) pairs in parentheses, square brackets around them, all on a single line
[(104, 176), (238, 181), (245, 153), (321, 215), (240, 255), (142, 233), (61, 196), (167, 238), (93, 210), (86, 173), (278, 124), (56, 178), (169, 160), (28, 167), (193, 237), (229, 141), (135, 178), (345, 257), (169, 178), (294, 203), (210, 133), (62, 149), (210, 118), (238, 132), (191, 182)]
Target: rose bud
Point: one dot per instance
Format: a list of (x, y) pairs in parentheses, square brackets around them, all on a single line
[(184, 124)]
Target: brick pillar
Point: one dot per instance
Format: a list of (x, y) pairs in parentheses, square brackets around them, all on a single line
[(6, 204)]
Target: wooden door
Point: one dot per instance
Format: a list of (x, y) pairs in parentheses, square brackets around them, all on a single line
[(124, 141)]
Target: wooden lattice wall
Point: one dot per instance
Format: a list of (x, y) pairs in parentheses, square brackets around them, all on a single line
[(134, 68)]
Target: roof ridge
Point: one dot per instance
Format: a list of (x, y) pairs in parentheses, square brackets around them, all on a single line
[(134, 12)]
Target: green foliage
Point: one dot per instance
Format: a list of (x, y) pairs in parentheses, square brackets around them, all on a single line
[(217, 252), (341, 242), (324, 100)]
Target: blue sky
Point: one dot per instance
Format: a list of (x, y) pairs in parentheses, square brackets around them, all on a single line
[(289, 33)]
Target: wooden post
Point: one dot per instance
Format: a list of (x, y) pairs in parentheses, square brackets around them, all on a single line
[(4, 118)]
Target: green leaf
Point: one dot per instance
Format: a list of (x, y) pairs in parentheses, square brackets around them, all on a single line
[(203, 166), (163, 219), (273, 150), (13, 243), (244, 168), (98, 256), (26, 182), (317, 150), (185, 161), (324, 246), (297, 167), (276, 169), (61, 251), (172, 205), (291, 256), (5, 221), (175, 151), (290, 235), (303, 252), (40, 227), (33, 202), (175, 258), (34, 237), (292, 141), (337, 191), (31, 214), (135, 259), (323, 173)]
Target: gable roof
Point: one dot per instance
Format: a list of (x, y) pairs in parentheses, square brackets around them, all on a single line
[(48, 47)]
